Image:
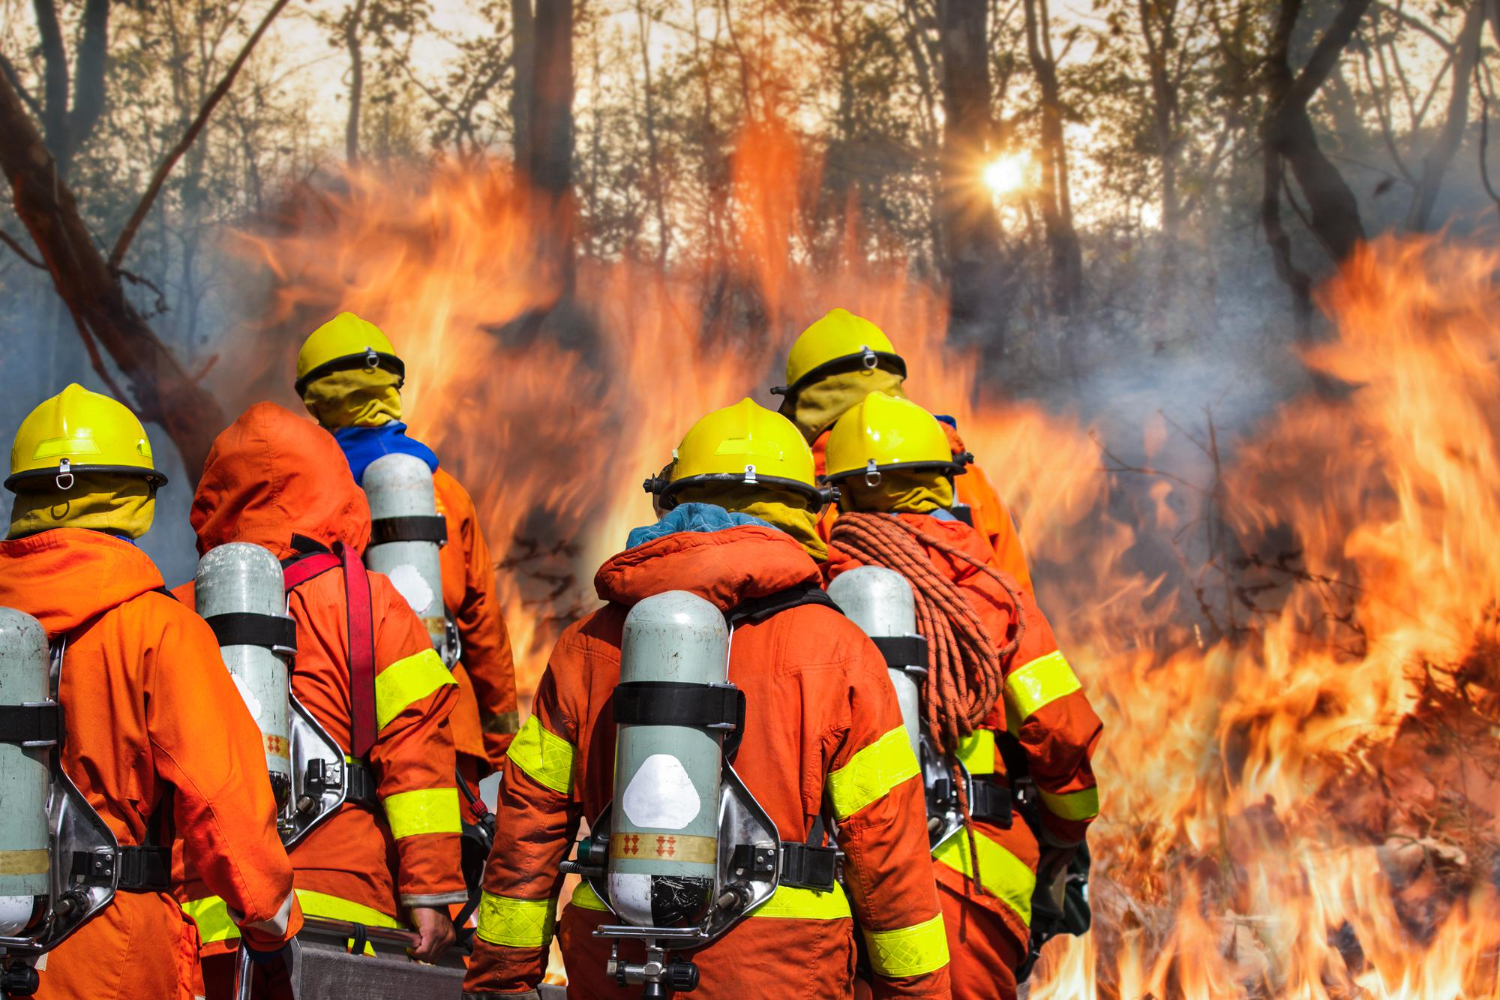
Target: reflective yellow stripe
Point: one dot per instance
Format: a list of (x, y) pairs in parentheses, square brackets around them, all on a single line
[(546, 758), (1073, 805), (518, 923), (212, 915), (1003, 875), (318, 904), (909, 951), (789, 903), (977, 751), (786, 903), (585, 898), (407, 682), (1040, 683), (426, 810), (871, 773)]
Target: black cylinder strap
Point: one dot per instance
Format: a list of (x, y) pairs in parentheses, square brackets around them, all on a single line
[(417, 528)]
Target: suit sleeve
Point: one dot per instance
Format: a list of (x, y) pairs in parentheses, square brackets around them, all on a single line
[(207, 745), (1049, 714), (486, 652), (874, 789), (413, 756), (537, 814)]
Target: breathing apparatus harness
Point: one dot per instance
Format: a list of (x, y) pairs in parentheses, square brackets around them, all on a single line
[(751, 869), (87, 863)]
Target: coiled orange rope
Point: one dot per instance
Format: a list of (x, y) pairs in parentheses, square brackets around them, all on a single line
[(965, 676), (965, 672)]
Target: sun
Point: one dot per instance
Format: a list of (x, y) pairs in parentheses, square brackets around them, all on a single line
[(1006, 174)]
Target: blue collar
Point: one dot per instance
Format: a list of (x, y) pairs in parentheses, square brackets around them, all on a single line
[(363, 445)]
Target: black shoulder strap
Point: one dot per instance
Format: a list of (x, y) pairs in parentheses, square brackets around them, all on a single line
[(759, 609)]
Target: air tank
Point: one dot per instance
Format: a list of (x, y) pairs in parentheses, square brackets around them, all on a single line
[(407, 533), (241, 578), (664, 843), (25, 776), (880, 602)]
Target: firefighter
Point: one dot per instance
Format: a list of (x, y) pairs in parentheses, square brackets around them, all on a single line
[(888, 456), (157, 738), (365, 669), (349, 378), (842, 358), (822, 734)]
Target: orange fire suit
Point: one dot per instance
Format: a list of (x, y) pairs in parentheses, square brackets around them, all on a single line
[(974, 489), (271, 476), (822, 726), (154, 723), (486, 718), (1046, 711)]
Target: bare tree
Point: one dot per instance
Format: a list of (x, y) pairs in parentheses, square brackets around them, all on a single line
[(161, 389), (970, 225), (1064, 251), (1290, 140), (1464, 55)]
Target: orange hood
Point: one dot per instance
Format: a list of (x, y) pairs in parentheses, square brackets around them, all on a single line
[(66, 576), (726, 567), (271, 475)]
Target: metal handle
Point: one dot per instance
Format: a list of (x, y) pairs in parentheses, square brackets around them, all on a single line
[(242, 974), (344, 930)]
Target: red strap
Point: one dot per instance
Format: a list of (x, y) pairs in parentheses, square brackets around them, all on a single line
[(362, 729), (307, 567)]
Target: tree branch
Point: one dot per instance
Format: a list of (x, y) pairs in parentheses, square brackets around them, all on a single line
[(122, 245), (9, 70), (20, 251)]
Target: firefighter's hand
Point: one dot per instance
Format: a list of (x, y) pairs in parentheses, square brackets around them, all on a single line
[(436, 930)]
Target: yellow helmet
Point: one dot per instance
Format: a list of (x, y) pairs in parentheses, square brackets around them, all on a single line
[(345, 342), (839, 342), (744, 443), (882, 433), (80, 431)]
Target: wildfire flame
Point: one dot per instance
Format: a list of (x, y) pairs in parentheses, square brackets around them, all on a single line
[(1298, 780)]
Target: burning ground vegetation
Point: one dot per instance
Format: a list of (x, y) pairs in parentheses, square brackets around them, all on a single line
[(1295, 645)]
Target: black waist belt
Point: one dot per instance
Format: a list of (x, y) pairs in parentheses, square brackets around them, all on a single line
[(806, 867), (989, 800), (362, 789), (140, 869)]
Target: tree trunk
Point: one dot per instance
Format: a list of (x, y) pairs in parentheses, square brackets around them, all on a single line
[(1290, 140), (551, 165), (1158, 30), (1064, 250), (653, 145), (163, 392), (353, 43), (523, 62), (970, 225)]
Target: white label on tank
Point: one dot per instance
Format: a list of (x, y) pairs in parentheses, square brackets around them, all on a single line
[(251, 702), (410, 585), (661, 795)]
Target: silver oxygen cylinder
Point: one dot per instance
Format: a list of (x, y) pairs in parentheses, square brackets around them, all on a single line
[(400, 491), (241, 578), (880, 602), (664, 827), (25, 776)]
